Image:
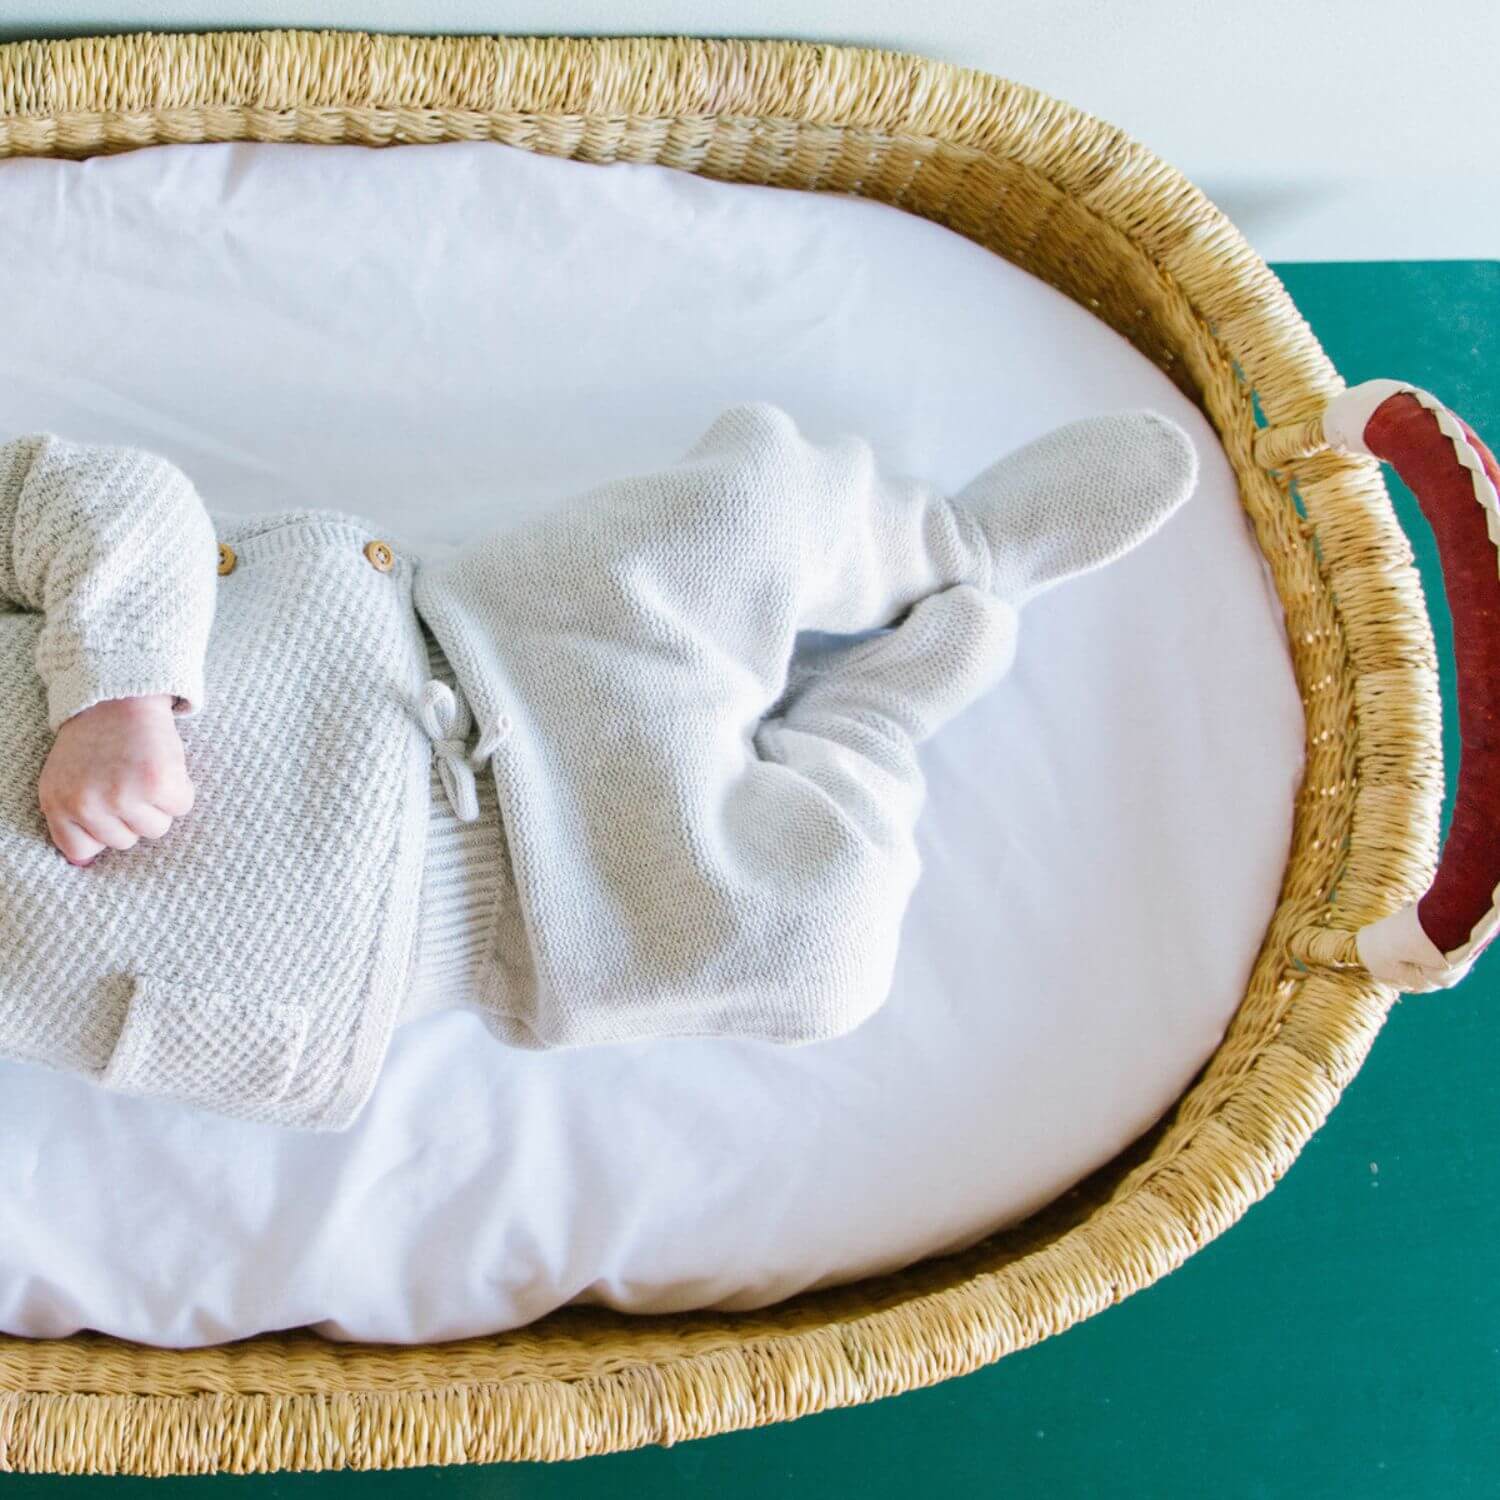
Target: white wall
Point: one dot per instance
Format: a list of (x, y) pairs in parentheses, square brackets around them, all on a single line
[(1327, 129)]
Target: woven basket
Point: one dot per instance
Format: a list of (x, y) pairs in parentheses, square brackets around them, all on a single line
[(1080, 204)]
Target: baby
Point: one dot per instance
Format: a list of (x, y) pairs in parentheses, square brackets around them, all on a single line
[(270, 785)]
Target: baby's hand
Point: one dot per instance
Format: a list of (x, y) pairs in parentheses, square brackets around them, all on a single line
[(115, 775)]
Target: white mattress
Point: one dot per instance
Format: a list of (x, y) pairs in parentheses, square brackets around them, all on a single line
[(437, 335)]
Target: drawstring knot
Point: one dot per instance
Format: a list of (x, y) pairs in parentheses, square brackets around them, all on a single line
[(446, 719)]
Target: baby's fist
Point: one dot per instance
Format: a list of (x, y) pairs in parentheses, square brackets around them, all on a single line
[(115, 775)]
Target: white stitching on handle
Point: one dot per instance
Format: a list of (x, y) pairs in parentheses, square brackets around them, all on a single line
[(1348, 414)]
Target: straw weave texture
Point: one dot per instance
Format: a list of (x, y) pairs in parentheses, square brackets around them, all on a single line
[(1080, 204)]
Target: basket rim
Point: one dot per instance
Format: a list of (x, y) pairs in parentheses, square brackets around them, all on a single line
[(91, 1403)]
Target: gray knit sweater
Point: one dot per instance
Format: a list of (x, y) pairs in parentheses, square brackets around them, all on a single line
[(700, 832)]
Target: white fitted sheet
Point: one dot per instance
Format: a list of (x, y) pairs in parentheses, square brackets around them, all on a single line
[(436, 335)]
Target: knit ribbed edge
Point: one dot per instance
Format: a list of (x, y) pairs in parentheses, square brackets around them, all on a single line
[(92, 682), (460, 890)]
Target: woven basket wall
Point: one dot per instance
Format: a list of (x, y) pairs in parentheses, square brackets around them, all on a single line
[(1081, 205)]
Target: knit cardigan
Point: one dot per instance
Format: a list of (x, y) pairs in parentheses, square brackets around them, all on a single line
[(708, 830), (251, 962)]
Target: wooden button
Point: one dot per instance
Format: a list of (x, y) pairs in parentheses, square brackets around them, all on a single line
[(227, 559), (382, 559)]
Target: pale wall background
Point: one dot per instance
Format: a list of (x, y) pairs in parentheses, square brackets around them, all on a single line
[(1326, 129)]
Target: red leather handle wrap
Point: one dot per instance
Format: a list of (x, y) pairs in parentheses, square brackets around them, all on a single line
[(1407, 435)]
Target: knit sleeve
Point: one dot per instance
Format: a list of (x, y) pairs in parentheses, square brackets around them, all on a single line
[(113, 546)]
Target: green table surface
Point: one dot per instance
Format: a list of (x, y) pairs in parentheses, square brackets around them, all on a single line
[(1342, 1340)]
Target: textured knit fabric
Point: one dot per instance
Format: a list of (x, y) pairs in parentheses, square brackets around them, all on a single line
[(82, 543), (703, 833), (251, 961), (460, 888), (702, 843)]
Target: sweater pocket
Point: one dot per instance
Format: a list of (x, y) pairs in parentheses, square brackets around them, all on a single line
[(224, 1053)]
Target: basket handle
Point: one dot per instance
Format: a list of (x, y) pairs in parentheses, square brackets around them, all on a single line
[(1432, 943)]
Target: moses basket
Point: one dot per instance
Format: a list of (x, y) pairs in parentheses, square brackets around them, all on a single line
[(1078, 203)]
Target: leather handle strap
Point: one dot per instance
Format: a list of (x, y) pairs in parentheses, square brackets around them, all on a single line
[(1432, 943)]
